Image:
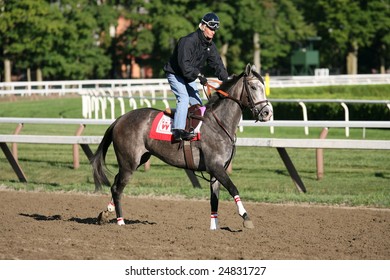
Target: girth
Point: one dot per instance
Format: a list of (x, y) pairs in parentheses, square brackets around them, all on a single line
[(188, 156)]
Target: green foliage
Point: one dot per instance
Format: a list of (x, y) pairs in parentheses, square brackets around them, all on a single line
[(77, 49), (28, 30), (378, 92), (343, 23), (58, 38), (69, 39)]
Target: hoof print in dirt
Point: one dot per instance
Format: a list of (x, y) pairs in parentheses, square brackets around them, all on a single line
[(103, 218), (248, 224)]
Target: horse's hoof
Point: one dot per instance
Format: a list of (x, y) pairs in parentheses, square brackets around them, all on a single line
[(248, 224), (120, 221), (103, 218)]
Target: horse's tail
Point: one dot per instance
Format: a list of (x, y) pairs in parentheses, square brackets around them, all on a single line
[(98, 160)]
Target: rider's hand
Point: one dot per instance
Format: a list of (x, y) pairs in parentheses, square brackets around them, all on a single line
[(202, 79), (229, 78)]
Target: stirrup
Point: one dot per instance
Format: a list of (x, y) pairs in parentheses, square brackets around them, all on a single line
[(181, 134)]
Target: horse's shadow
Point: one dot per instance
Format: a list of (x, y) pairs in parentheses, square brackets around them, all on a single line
[(231, 230), (40, 217), (86, 221)]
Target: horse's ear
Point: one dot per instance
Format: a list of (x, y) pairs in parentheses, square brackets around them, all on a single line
[(248, 69), (254, 69)]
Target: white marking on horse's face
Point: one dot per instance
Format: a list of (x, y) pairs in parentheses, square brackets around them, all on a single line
[(266, 113)]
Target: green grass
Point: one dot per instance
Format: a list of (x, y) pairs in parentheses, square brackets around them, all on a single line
[(366, 92), (352, 177)]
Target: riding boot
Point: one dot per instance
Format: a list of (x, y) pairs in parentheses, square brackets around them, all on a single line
[(181, 134)]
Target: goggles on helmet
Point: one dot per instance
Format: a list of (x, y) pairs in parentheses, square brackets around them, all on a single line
[(213, 25)]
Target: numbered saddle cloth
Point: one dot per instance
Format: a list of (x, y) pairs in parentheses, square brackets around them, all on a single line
[(162, 124)]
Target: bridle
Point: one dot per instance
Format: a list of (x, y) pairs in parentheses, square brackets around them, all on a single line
[(252, 104)]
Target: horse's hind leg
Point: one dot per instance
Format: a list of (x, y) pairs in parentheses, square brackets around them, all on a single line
[(214, 199), (126, 169), (121, 180)]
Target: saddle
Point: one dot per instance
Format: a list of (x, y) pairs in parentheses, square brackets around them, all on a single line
[(194, 116)]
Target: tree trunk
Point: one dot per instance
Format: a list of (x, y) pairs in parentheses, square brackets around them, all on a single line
[(382, 67), (7, 70), (352, 60), (29, 74), (39, 75), (382, 60), (224, 51), (256, 51)]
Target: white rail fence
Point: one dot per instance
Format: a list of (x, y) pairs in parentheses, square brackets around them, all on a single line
[(95, 104), (101, 97), (78, 86)]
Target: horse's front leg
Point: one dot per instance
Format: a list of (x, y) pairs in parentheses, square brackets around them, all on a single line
[(224, 179), (214, 199), (241, 210)]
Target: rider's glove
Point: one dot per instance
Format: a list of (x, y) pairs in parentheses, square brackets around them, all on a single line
[(229, 78), (202, 79)]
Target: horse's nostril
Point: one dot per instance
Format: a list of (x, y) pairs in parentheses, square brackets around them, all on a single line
[(265, 113)]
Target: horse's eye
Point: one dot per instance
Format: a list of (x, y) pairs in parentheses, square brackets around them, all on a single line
[(253, 87)]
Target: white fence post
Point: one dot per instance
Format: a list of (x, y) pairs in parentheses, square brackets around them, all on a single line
[(304, 111), (346, 117)]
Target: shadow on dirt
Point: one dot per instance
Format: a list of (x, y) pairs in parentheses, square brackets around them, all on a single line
[(231, 230), (87, 221), (39, 217)]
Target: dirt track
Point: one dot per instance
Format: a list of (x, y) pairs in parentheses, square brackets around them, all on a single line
[(63, 226)]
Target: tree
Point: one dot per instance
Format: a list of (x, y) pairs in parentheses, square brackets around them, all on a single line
[(345, 26), (25, 32), (76, 53), (172, 20), (379, 16), (70, 39), (275, 24), (58, 39)]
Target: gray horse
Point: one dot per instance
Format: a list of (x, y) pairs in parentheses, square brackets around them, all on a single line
[(212, 154)]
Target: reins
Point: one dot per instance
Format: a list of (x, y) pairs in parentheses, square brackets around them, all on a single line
[(211, 87)]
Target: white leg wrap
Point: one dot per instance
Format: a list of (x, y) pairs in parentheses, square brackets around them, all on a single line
[(214, 221), (240, 208), (111, 207), (120, 221)]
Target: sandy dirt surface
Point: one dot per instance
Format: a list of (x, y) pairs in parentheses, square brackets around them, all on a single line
[(43, 226)]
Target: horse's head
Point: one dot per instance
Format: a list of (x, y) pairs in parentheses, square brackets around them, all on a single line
[(253, 95), (248, 91)]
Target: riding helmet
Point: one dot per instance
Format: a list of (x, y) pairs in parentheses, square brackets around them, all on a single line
[(211, 20)]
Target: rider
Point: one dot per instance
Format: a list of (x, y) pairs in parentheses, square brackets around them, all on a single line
[(185, 66)]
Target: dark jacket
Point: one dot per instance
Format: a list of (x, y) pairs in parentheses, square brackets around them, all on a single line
[(190, 55)]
